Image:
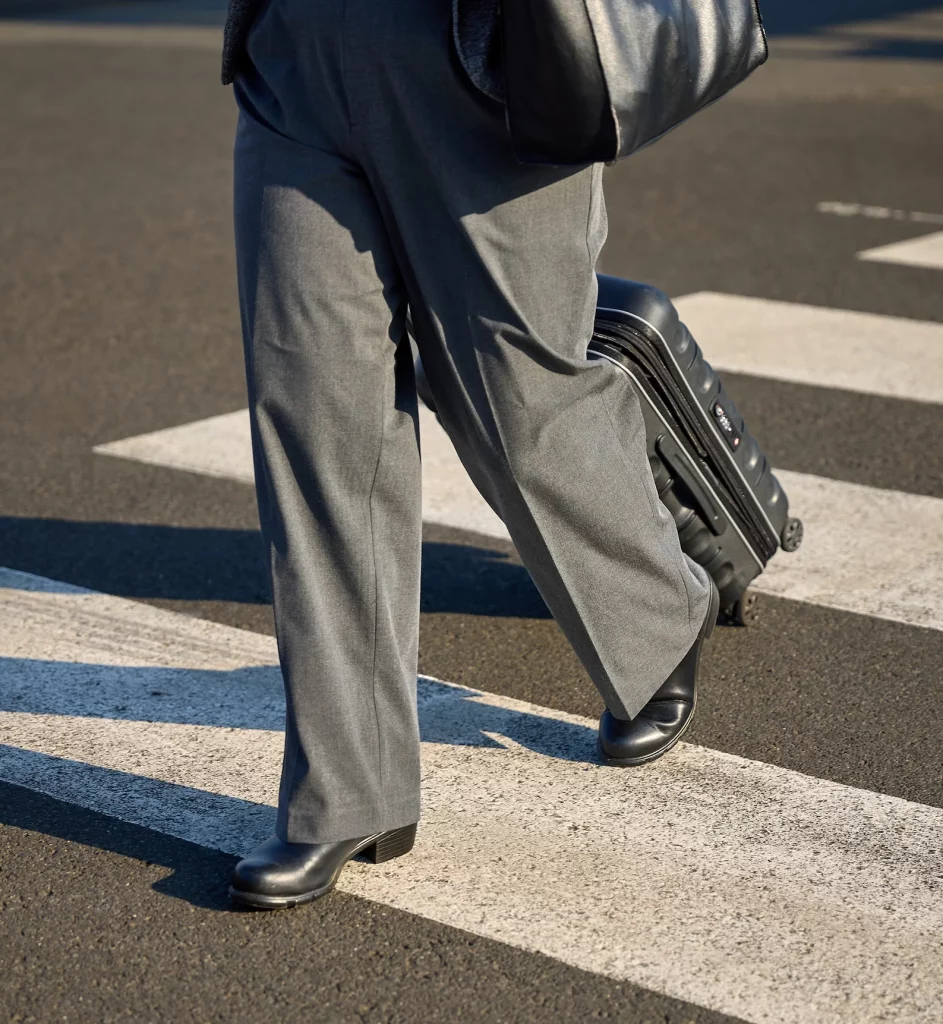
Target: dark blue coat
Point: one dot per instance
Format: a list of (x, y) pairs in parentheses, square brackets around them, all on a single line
[(474, 30)]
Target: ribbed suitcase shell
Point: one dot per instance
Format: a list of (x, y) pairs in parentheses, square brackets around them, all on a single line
[(731, 512)]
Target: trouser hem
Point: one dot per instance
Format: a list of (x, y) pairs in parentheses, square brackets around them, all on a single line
[(632, 709), (305, 828)]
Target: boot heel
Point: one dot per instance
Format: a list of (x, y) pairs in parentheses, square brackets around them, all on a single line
[(391, 844)]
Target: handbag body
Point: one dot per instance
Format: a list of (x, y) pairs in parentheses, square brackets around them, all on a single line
[(594, 80)]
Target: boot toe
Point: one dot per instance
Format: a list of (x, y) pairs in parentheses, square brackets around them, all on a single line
[(255, 876), (273, 869), (647, 736)]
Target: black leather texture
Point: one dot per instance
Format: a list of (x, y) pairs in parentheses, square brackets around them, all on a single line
[(596, 80), (666, 717), (290, 870), (278, 874), (556, 107)]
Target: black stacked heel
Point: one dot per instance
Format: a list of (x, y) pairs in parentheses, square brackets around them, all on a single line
[(391, 845)]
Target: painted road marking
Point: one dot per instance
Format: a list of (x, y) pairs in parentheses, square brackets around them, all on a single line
[(828, 348), (879, 213), (744, 887), (926, 251), (220, 447), (866, 550)]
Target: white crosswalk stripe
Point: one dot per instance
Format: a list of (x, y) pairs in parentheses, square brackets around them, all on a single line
[(803, 894), (829, 348), (218, 446), (856, 556), (802, 900), (926, 251)]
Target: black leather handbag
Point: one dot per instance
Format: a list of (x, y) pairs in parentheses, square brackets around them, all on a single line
[(595, 80)]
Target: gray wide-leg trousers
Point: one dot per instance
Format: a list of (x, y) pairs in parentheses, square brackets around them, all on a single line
[(371, 175)]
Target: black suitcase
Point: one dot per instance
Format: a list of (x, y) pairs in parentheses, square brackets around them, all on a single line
[(732, 515)]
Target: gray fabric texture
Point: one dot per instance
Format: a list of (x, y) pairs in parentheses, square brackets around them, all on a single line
[(370, 176)]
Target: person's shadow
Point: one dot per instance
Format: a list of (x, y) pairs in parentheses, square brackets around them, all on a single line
[(251, 698), (192, 564), (246, 698)]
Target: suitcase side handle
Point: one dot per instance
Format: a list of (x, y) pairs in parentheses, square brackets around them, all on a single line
[(676, 461)]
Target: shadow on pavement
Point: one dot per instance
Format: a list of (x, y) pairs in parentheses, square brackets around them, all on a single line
[(902, 49), (210, 821), (198, 876), (251, 698), (191, 564)]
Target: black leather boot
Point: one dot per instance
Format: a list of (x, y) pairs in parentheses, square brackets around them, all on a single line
[(278, 874), (666, 717)]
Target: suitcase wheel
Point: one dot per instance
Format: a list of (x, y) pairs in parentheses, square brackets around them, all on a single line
[(791, 536), (743, 611)]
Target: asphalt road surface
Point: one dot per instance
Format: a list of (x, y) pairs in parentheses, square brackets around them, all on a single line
[(785, 864)]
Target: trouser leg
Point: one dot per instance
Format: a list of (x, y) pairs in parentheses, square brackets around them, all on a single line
[(499, 260), (498, 263), (335, 443)]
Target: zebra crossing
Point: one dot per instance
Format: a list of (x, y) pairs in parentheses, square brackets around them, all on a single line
[(901, 579), (926, 251), (802, 900)]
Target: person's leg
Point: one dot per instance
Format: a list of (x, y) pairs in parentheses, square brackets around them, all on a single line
[(334, 433), (499, 260)]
